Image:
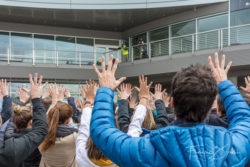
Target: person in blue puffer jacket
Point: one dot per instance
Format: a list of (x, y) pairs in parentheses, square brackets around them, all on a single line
[(187, 142)]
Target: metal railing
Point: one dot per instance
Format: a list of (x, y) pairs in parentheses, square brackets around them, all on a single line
[(217, 39)]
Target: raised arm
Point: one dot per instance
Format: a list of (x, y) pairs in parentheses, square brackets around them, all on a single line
[(116, 145), (14, 148), (238, 111), (7, 103), (84, 129), (123, 109)]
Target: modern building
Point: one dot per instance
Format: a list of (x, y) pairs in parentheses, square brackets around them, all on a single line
[(61, 39)]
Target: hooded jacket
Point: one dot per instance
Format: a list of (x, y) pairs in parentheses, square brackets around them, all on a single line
[(196, 146), (14, 151), (34, 159)]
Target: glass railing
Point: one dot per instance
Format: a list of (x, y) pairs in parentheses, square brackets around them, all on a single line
[(217, 39)]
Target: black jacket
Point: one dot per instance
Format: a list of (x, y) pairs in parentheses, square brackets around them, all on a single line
[(215, 120), (124, 115), (34, 159), (164, 115), (76, 115), (7, 108), (14, 151)]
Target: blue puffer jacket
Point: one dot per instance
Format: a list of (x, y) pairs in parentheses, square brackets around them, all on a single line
[(196, 146)]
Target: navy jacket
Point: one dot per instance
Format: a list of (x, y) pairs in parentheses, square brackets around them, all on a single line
[(199, 145)]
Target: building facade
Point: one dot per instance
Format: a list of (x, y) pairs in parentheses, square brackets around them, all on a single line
[(62, 39)]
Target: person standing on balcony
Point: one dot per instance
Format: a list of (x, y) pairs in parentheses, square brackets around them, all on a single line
[(124, 49), (143, 49)]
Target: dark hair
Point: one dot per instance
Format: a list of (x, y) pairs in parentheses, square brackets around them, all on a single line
[(58, 115), (47, 101), (193, 90), (22, 116)]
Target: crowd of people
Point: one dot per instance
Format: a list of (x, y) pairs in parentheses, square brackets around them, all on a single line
[(204, 120)]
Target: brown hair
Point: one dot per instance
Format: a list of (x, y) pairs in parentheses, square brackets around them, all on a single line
[(59, 114), (193, 90), (221, 105), (93, 151), (22, 116), (47, 102)]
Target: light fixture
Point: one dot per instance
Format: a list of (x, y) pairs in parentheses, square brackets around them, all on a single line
[(247, 3)]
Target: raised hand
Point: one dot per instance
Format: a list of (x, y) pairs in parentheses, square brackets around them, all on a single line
[(107, 76), (158, 93), (247, 82), (46, 93), (219, 71), (90, 91), (4, 87), (60, 95), (67, 93), (36, 87), (23, 93), (53, 92), (144, 91), (132, 102), (125, 92), (166, 99)]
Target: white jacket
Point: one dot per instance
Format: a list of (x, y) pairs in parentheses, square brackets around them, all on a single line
[(82, 158), (134, 129)]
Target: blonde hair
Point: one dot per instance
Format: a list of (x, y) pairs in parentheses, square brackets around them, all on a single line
[(22, 116)]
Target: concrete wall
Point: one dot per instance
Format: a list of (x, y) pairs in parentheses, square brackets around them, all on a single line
[(58, 30)]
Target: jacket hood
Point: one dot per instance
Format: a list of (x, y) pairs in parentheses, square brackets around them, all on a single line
[(201, 145)]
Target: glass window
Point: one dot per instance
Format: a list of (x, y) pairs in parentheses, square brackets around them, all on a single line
[(44, 47), (4, 43), (183, 28), (240, 34), (66, 48), (159, 48), (240, 17), (85, 47), (212, 23), (21, 50), (159, 34), (136, 39)]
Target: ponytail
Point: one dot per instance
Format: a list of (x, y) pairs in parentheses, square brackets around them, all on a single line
[(59, 114), (53, 120)]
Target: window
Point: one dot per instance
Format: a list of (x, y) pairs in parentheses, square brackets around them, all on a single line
[(4, 43), (85, 47), (21, 50), (66, 48), (44, 47), (159, 48), (212, 23), (183, 28)]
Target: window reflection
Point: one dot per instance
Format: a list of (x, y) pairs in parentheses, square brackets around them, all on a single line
[(4, 46), (66, 50), (159, 48), (44, 47), (21, 50), (86, 50)]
